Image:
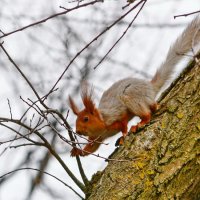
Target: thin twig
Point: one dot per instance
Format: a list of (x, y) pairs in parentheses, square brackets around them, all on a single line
[(7, 146), (110, 159), (128, 4), (31, 120), (22, 145), (13, 139), (121, 35), (33, 103), (50, 17), (136, 25), (9, 108), (90, 141), (187, 14), (30, 106), (29, 168), (2, 32)]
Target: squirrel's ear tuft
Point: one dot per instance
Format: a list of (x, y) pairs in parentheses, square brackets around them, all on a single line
[(86, 94), (73, 106)]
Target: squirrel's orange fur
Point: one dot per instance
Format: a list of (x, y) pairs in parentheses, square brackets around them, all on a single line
[(90, 123)]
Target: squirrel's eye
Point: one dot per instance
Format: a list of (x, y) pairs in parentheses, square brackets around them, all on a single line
[(86, 119)]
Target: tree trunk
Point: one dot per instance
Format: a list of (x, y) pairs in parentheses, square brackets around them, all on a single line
[(163, 158)]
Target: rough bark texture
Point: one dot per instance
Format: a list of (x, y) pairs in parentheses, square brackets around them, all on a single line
[(167, 151)]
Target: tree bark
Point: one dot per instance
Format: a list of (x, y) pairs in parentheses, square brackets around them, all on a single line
[(163, 158)]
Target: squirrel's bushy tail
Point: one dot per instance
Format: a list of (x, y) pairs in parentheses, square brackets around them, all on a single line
[(185, 42)]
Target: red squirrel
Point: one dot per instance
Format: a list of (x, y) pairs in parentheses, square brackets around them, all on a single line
[(128, 97)]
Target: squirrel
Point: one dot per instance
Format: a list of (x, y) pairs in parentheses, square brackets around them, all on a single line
[(128, 97)]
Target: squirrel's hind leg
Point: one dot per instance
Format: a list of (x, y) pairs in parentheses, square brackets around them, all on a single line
[(145, 119), (124, 131), (154, 107), (123, 127)]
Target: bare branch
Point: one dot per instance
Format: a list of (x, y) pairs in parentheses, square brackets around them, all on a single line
[(9, 108), (47, 173), (187, 14), (122, 34), (50, 17), (33, 103), (23, 145)]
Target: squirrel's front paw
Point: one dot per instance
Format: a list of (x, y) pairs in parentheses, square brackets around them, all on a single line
[(120, 141), (133, 129), (76, 152)]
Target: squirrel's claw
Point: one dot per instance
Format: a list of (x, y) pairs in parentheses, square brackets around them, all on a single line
[(133, 129), (76, 152), (120, 141)]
